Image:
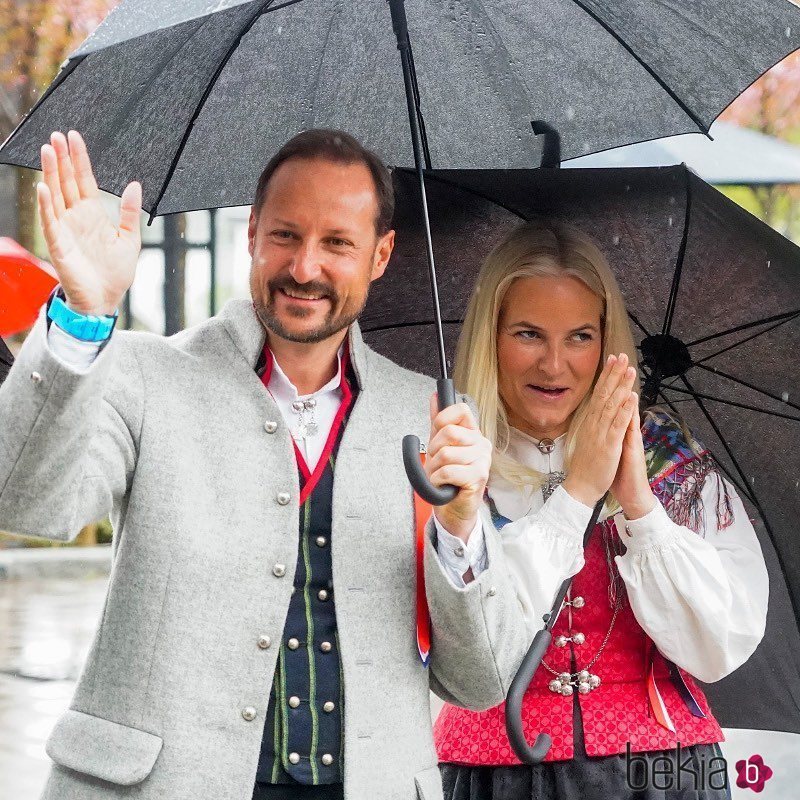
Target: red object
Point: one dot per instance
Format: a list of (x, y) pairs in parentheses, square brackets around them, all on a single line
[(25, 284), (617, 712), (422, 513)]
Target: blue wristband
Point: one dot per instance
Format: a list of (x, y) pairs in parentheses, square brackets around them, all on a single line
[(87, 328)]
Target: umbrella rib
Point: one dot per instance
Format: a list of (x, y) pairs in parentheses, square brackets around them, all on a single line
[(722, 439), (753, 497), (263, 8), (744, 326), (653, 74), (397, 325), (638, 324), (733, 403), (749, 338), (57, 81), (742, 488), (474, 192), (677, 274), (747, 385)]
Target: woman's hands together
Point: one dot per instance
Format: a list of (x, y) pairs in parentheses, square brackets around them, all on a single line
[(631, 486), (609, 452)]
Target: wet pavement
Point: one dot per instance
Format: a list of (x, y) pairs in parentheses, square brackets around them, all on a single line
[(46, 628)]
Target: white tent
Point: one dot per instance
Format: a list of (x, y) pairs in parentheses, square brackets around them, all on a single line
[(736, 156)]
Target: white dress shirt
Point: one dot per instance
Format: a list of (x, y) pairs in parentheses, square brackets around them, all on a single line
[(702, 598), (328, 399)]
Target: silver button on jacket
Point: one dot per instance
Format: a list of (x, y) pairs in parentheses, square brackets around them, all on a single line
[(264, 642), (279, 570), (270, 426), (249, 713), (283, 498)]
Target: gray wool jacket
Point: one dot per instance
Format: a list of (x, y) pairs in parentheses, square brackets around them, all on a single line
[(169, 437)]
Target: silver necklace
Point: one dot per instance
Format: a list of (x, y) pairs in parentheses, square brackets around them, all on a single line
[(306, 424), (554, 477)]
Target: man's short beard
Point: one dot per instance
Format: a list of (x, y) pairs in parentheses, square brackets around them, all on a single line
[(329, 328)]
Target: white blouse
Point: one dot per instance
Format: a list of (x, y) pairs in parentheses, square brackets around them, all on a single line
[(701, 599)]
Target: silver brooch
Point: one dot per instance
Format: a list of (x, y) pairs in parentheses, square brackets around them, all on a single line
[(306, 424)]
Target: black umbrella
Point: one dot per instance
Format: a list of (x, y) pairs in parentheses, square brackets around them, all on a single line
[(718, 286), (6, 360), (190, 97)]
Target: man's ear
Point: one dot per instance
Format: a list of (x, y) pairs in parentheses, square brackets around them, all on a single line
[(252, 225), (383, 252)]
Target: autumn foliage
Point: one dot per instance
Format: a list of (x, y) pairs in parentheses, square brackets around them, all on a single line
[(36, 37)]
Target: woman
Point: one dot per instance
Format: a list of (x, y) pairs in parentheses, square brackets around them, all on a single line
[(672, 583)]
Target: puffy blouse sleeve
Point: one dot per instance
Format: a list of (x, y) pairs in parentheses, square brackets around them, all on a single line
[(700, 596)]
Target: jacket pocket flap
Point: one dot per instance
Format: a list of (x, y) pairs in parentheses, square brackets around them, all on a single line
[(103, 749), (429, 784)]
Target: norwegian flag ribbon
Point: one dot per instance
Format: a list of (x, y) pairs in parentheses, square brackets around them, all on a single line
[(422, 513)]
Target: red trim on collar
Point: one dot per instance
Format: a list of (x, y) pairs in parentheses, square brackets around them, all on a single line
[(311, 479)]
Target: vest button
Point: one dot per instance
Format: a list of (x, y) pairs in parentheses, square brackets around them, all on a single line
[(492, 591), (283, 498), (294, 701), (279, 570), (459, 551), (264, 642), (328, 707), (293, 644), (578, 602), (294, 758), (322, 594), (36, 377), (321, 541), (578, 638), (249, 713), (325, 647), (270, 426), (327, 759)]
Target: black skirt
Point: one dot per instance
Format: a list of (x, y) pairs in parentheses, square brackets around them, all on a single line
[(697, 772)]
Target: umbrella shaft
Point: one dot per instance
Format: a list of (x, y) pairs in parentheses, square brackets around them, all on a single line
[(400, 26)]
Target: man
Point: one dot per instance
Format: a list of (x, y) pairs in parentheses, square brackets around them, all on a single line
[(259, 629)]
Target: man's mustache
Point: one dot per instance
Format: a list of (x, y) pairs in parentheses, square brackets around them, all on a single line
[(287, 283)]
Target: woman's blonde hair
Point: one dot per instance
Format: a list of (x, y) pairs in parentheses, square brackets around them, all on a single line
[(534, 249)]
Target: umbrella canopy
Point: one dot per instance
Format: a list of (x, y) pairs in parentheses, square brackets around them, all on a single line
[(693, 266), (192, 98), (735, 156), (25, 283)]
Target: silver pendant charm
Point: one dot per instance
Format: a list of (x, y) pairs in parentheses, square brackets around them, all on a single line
[(306, 429), (552, 482), (566, 683)]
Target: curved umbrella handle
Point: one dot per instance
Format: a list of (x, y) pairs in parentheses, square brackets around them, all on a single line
[(435, 495), (526, 753)]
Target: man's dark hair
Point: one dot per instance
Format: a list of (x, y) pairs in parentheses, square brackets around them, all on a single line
[(340, 148)]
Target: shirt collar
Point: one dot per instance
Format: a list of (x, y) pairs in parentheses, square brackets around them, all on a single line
[(283, 389), (510, 499)]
